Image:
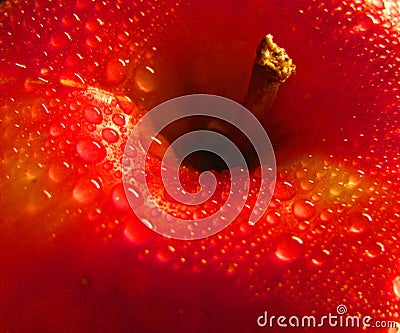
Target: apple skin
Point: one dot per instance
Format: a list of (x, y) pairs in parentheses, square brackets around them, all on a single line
[(73, 255)]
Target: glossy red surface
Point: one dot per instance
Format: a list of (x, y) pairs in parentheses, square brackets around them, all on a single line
[(74, 78)]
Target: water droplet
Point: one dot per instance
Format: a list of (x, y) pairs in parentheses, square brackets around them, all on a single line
[(73, 80), (307, 184), (119, 198), (155, 212), (336, 190), (74, 106), (303, 209), (320, 258), (116, 70), (70, 20), (93, 41), (93, 213), (57, 129), (284, 191), (145, 79), (200, 214), (73, 60), (362, 25), (137, 233), (125, 103), (139, 176), (75, 127), (289, 249), (158, 145), (326, 215), (110, 135), (91, 127), (118, 119), (164, 255), (93, 24), (123, 36), (130, 151), (245, 227), (108, 165), (58, 171), (59, 39), (396, 287), (374, 250), (134, 197), (359, 223), (86, 190), (91, 151), (303, 225), (92, 115), (379, 4), (354, 180), (273, 218), (31, 85)]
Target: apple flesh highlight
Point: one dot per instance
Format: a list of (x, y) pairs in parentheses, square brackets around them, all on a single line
[(336, 189)]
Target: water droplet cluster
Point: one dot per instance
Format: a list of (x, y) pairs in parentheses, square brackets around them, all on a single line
[(76, 76), (73, 101), (302, 232)]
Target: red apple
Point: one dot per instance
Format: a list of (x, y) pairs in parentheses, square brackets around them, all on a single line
[(77, 75)]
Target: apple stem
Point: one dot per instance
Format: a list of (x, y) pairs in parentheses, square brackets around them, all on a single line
[(271, 67)]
